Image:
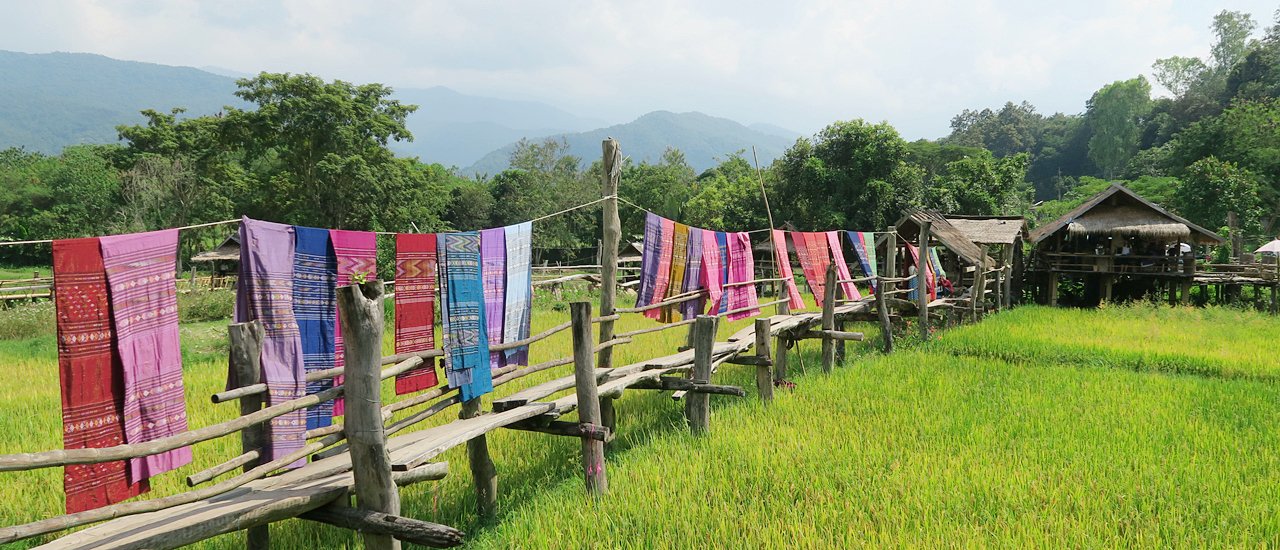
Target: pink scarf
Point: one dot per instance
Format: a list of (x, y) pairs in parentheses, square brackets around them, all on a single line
[(784, 267), (711, 270), (842, 268), (742, 268), (357, 252)]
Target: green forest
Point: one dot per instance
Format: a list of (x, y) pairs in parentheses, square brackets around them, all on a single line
[(308, 151)]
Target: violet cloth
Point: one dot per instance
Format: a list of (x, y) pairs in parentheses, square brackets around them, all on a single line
[(693, 276), (651, 251), (357, 253), (742, 268), (144, 310), (842, 267), (663, 279), (265, 294), (779, 239), (516, 319), (493, 271), (315, 307)]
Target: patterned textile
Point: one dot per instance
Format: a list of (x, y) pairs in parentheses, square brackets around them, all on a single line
[(812, 249), (267, 260), (929, 280), (742, 268), (357, 252), (315, 271), (842, 268), (722, 247), (936, 262), (693, 275), (779, 239), (679, 259), (864, 243), (515, 324), (711, 270), (144, 311), (466, 342), (493, 272), (415, 307), (652, 250), (663, 279), (89, 369)]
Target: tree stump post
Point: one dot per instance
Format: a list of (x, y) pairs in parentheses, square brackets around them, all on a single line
[(245, 342), (764, 372), (697, 406), (361, 314), (484, 474), (829, 319), (611, 232), (922, 270), (588, 397)]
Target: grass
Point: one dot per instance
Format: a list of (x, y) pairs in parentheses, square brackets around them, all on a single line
[(1159, 432)]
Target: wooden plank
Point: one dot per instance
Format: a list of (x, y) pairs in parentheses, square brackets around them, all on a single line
[(431, 442)]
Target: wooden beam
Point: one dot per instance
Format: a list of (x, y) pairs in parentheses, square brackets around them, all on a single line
[(611, 232), (484, 475), (360, 312), (404, 529), (764, 365), (698, 406), (569, 429), (753, 360), (245, 341), (668, 383), (588, 398), (838, 335)]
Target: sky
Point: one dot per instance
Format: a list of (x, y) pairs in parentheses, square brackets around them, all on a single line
[(800, 65)]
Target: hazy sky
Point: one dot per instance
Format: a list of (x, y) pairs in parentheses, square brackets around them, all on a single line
[(800, 65)]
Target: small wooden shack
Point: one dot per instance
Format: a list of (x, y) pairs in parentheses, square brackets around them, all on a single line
[(223, 262), (1003, 235), (1117, 239), (959, 255)]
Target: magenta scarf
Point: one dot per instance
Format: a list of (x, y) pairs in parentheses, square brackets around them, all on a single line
[(796, 302), (357, 252), (742, 268), (664, 268), (842, 268)]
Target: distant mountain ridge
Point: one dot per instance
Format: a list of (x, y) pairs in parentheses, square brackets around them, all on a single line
[(705, 141)]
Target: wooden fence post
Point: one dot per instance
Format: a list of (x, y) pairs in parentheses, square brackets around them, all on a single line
[(885, 287), (980, 305), (997, 295), (764, 371), (697, 406), (829, 319), (484, 474), (886, 328), (922, 269), (245, 340), (611, 233), (584, 376), (361, 314)]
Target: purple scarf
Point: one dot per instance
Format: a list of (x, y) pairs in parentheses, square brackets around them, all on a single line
[(493, 266), (693, 275)]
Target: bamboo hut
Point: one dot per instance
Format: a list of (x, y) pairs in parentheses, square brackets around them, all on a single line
[(1003, 234), (1117, 238)]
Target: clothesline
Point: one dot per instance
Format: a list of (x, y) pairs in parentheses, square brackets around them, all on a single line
[(198, 225)]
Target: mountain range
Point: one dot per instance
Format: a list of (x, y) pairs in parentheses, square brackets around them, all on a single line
[(49, 101)]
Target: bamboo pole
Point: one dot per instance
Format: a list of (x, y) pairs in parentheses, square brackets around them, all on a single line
[(829, 319), (764, 371), (922, 269), (588, 398), (611, 233), (697, 406), (245, 340), (361, 314)]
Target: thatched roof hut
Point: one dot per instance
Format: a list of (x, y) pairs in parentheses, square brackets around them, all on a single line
[(991, 229), (941, 230), (1119, 212), (228, 251)]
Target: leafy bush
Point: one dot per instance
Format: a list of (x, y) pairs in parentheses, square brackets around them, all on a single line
[(27, 321), (206, 305)]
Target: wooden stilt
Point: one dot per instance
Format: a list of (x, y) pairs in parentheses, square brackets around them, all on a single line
[(886, 328), (245, 340), (698, 405), (611, 233), (484, 475), (588, 397), (764, 371)]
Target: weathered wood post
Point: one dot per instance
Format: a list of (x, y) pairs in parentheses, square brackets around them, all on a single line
[(829, 319), (886, 328), (584, 377), (245, 341), (1275, 281), (764, 371), (697, 406), (1008, 277), (980, 305), (922, 269), (1188, 269), (997, 292), (611, 233), (361, 314), (484, 474), (887, 287)]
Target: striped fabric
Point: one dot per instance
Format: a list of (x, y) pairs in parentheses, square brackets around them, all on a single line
[(649, 254), (842, 268), (415, 307), (742, 268), (466, 342), (144, 311), (357, 253), (267, 260), (693, 275), (663, 279), (315, 270), (722, 248), (493, 272), (936, 262), (515, 324), (711, 270), (929, 280), (90, 373), (779, 239), (864, 243), (679, 260), (812, 249)]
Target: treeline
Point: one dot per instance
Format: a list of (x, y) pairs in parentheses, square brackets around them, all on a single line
[(312, 152)]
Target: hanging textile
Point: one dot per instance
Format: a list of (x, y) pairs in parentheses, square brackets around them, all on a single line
[(742, 268), (357, 253), (722, 248), (650, 253), (415, 307), (663, 280), (266, 295), (929, 279), (779, 240), (711, 270), (515, 324), (812, 249), (90, 375), (315, 271), (493, 272), (864, 243), (679, 259), (144, 312), (936, 262), (466, 342), (693, 276), (842, 268)]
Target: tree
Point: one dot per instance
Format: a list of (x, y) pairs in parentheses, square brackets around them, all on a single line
[(1178, 74), (727, 197), (1011, 130), (663, 188), (1232, 29), (981, 184), (1212, 187), (1115, 114)]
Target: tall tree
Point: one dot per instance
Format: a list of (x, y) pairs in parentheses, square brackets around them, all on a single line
[(1115, 114)]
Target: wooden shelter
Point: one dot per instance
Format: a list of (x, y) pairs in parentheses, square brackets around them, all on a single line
[(223, 262), (1117, 237), (1004, 233)]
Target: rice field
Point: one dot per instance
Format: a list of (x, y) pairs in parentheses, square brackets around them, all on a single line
[(1141, 426)]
